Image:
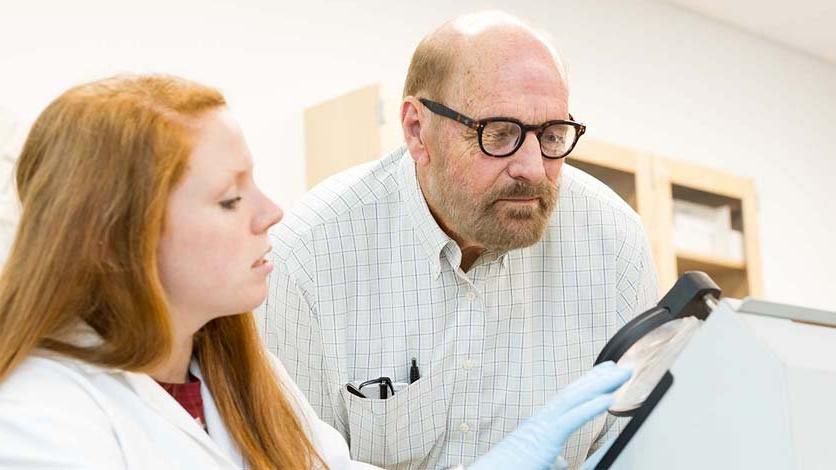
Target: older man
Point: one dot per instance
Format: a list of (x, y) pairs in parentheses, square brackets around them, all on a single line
[(471, 258)]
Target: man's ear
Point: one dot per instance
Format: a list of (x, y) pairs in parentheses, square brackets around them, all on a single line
[(415, 124)]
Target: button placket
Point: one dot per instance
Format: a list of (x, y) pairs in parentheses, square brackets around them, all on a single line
[(465, 420)]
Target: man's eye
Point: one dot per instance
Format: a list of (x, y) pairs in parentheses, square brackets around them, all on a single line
[(495, 135), (230, 204)]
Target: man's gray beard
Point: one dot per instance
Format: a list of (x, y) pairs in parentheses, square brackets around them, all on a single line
[(498, 229)]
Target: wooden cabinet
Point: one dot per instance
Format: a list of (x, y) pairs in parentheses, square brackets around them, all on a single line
[(360, 126), (684, 181), (350, 129), (651, 184)]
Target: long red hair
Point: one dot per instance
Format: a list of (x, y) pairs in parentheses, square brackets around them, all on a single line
[(94, 178)]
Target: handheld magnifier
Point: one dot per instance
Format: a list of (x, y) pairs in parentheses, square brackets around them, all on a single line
[(650, 343)]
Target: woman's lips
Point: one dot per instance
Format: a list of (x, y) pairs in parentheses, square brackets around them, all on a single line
[(262, 266), (263, 260)]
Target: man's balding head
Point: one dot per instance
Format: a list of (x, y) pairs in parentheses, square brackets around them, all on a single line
[(484, 65), (447, 60)]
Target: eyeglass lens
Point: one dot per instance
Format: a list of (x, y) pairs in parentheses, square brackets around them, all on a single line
[(501, 138)]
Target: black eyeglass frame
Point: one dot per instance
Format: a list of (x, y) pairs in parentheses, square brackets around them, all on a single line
[(382, 383), (479, 125)]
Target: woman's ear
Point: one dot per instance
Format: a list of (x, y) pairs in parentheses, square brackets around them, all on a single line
[(414, 129)]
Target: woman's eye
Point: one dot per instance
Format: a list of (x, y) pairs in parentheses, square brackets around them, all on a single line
[(230, 204)]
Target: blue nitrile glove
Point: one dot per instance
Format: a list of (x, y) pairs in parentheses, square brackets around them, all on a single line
[(539, 440)]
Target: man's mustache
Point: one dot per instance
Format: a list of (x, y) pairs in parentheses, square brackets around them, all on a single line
[(521, 189)]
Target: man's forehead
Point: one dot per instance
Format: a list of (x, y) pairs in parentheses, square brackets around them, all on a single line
[(525, 89), (515, 62), (531, 110)]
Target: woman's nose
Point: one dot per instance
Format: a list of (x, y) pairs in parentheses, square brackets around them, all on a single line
[(269, 216)]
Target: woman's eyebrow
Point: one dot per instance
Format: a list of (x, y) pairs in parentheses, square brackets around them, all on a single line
[(239, 171)]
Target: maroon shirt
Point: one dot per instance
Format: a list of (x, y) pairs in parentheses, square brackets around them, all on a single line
[(188, 396)]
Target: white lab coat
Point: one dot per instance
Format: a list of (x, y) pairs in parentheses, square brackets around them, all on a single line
[(57, 412)]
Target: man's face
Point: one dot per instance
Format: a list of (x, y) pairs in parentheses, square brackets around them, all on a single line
[(497, 203)]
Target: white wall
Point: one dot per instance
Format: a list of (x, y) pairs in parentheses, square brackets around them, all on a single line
[(644, 74), (11, 136)]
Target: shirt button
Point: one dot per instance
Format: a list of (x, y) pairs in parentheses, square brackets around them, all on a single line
[(467, 364), (464, 428), (471, 295)]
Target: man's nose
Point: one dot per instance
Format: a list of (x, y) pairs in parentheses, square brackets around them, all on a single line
[(527, 162)]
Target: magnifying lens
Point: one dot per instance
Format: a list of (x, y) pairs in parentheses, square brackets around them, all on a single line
[(650, 343)]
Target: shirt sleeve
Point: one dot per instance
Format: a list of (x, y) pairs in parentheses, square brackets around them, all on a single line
[(636, 278), (293, 336), (638, 292)]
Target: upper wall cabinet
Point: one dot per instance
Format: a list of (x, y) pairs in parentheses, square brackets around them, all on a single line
[(350, 129), (696, 218)]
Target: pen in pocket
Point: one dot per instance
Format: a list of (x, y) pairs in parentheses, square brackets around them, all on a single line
[(413, 371)]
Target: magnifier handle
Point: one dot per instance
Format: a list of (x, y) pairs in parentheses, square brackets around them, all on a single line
[(686, 297)]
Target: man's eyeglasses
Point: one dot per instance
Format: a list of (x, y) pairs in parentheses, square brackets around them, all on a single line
[(385, 388), (502, 136)]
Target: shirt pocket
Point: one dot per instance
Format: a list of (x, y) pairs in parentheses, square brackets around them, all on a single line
[(400, 431)]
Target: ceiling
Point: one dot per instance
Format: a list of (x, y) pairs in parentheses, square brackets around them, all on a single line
[(806, 25)]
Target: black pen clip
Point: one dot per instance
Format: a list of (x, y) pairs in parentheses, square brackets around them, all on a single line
[(413, 371)]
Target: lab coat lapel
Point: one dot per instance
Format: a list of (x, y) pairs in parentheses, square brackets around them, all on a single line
[(158, 399), (217, 429)]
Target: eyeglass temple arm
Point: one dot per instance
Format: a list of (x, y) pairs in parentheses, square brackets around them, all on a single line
[(442, 110)]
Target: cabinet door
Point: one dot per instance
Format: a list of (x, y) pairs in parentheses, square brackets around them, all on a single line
[(349, 130)]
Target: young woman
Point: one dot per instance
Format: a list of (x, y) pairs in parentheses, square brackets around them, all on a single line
[(123, 344)]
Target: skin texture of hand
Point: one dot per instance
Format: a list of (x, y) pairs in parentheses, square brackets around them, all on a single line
[(539, 440)]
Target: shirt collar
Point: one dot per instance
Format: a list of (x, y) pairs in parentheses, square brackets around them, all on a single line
[(435, 242), (432, 238)]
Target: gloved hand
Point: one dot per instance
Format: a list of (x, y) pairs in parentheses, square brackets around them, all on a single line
[(539, 440)]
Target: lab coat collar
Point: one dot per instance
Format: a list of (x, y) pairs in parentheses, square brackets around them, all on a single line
[(214, 423), (218, 441), (158, 399)]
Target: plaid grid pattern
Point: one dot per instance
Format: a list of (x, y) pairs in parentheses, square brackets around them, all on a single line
[(365, 280)]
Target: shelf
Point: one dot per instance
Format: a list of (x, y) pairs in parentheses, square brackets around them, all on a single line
[(677, 180), (701, 262), (731, 276)]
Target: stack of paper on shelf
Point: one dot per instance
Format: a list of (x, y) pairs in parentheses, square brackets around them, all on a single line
[(706, 230)]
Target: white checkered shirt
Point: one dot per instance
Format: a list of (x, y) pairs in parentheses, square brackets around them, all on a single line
[(365, 280)]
